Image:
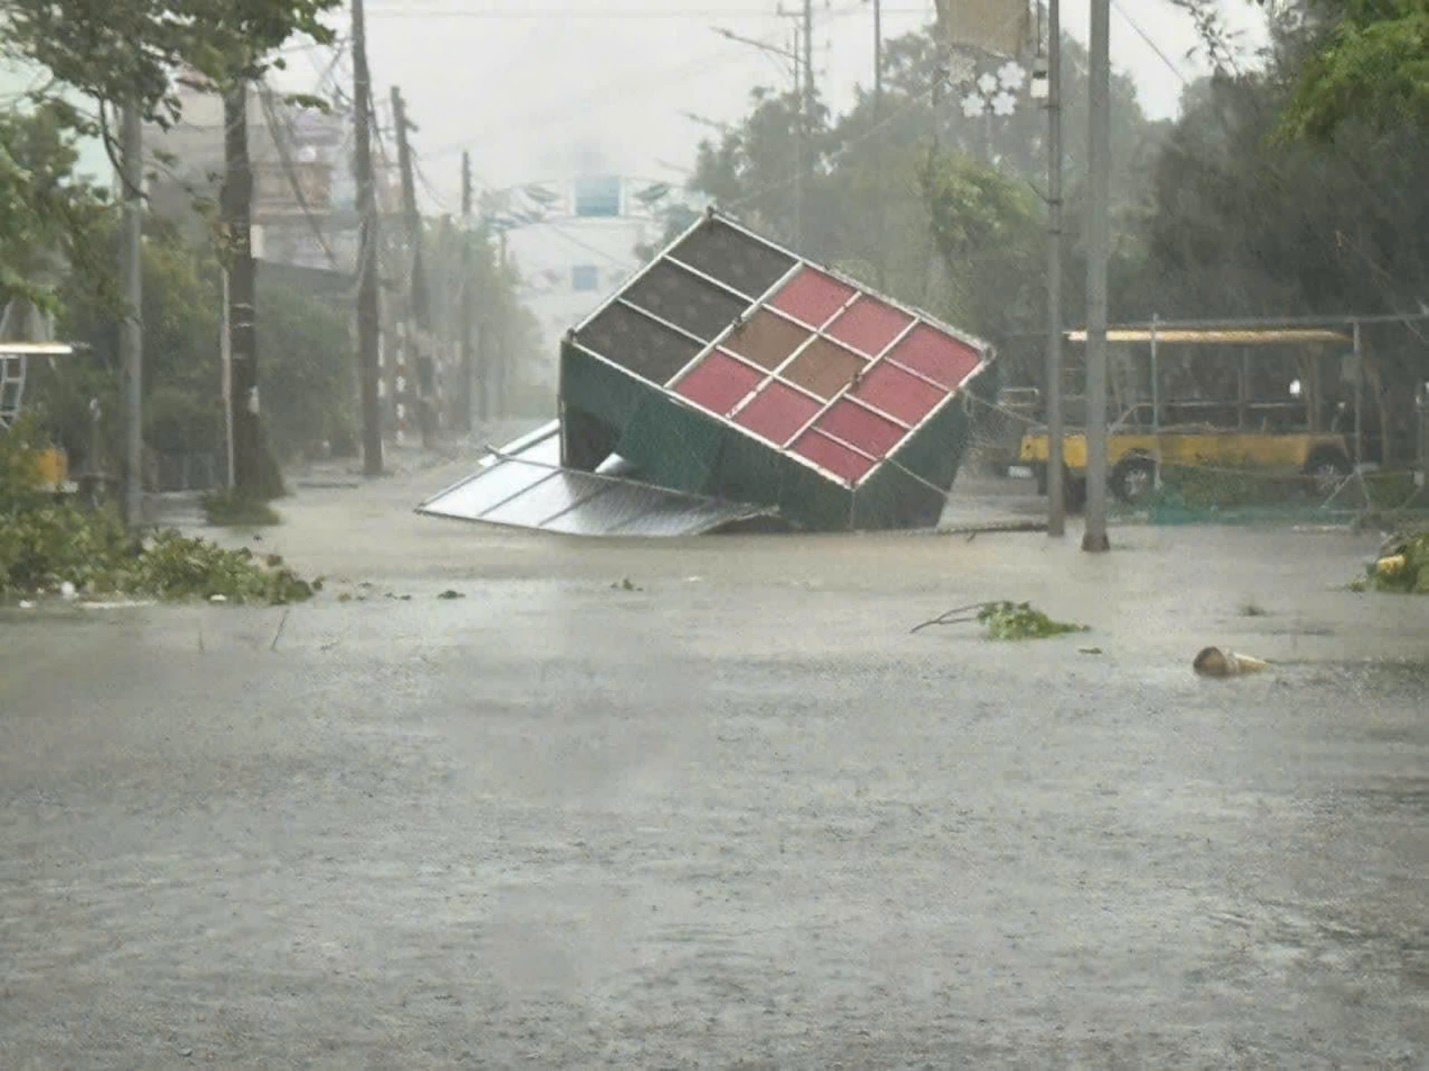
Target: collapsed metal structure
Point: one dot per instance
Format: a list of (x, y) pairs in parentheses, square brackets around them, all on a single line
[(732, 380)]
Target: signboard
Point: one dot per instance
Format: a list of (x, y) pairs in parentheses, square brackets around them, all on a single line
[(597, 196)]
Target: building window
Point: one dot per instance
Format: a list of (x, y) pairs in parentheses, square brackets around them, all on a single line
[(585, 277)]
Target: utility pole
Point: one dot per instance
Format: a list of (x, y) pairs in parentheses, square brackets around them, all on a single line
[(806, 119), (880, 210), (131, 331), (798, 145), (237, 205), (1056, 488), (368, 324), (498, 360), (808, 59), (800, 103), (1098, 249), (419, 333), (464, 394)]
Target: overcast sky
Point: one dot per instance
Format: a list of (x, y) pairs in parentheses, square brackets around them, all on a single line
[(539, 88)]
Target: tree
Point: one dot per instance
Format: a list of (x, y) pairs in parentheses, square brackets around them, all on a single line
[(47, 217), (1372, 65), (1360, 60), (937, 209), (1247, 224), (130, 51)]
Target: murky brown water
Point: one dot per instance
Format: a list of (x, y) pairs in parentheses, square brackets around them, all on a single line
[(737, 817)]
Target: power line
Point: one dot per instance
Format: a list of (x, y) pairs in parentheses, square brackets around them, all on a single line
[(594, 14), (843, 149), (1150, 41), (280, 143), (600, 94)]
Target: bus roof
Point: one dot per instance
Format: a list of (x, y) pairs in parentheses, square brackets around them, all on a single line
[(1228, 336)]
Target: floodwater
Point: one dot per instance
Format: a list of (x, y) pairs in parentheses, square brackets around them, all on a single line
[(735, 817)]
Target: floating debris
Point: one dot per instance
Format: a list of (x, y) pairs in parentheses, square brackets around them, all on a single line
[(1220, 662), (1006, 621)]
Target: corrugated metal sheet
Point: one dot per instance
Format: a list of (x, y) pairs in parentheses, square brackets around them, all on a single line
[(523, 486)]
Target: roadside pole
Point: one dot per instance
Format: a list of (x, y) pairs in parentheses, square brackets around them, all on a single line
[(368, 324), (1098, 229), (131, 331), (1056, 489)]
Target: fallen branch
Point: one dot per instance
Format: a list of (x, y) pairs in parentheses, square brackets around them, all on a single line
[(948, 618)]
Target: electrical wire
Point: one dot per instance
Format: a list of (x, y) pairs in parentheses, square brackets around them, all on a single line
[(1150, 41), (409, 11), (280, 144), (641, 81)]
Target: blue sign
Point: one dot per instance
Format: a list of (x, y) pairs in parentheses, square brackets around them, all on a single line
[(597, 196)]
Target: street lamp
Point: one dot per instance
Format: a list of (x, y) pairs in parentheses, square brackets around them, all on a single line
[(792, 55)]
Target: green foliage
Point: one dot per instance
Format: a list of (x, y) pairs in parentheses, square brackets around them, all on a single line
[(913, 199), (1019, 621), (1225, 486), (119, 50), (986, 228), (45, 544), (1390, 490), (1373, 67), (1402, 567), (230, 508), (47, 217), (1243, 224), (306, 366), (173, 567)]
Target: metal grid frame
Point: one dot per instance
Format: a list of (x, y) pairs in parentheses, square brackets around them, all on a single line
[(761, 303), (630, 508)]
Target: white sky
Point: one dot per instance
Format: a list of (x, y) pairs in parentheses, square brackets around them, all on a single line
[(536, 89)]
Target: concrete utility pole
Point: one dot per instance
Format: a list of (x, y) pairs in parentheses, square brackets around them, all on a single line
[(368, 323), (1098, 249), (798, 145), (808, 59), (881, 221), (806, 121), (467, 371), (237, 205), (420, 332), (131, 331), (1056, 487)]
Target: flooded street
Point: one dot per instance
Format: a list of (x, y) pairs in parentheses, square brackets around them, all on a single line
[(734, 817)]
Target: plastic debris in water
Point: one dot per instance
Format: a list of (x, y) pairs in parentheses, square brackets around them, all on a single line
[(1219, 662)]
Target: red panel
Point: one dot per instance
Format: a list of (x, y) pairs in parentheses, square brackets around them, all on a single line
[(835, 457), (899, 394), (868, 325), (937, 356), (719, 382), (858, 427), (777, 412), (813, 297)]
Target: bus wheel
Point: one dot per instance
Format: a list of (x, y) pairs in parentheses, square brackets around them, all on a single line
[(1133, 479), (1327, 469)]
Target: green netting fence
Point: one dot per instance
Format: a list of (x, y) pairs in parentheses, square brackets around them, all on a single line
[(1235, 495)]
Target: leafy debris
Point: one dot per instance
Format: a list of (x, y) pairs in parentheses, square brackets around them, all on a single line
[(1006, 621), (1019, 621), (1402, 566)]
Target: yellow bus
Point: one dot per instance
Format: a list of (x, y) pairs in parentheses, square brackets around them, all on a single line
[(1299, 432)]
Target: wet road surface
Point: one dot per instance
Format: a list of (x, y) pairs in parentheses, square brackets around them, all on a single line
[(737, 817)]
